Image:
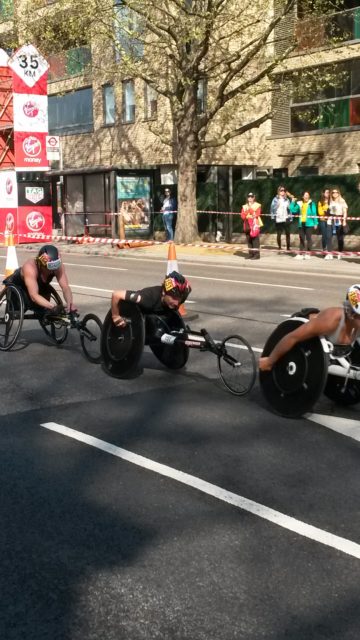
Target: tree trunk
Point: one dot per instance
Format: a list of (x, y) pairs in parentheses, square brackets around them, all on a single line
[(187, 223)]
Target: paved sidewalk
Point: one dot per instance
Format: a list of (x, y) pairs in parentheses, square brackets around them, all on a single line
[(232, 255)]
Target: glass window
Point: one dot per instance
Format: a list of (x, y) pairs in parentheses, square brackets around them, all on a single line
[(94, 193), (334, 114), (109, 104), (128, 28), (201, 96), (128, 101), (71, 112), (6, 9), (304, 118), (355, 111), (150, 110)]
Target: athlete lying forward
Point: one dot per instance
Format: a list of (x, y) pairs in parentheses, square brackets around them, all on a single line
[(340, 325)]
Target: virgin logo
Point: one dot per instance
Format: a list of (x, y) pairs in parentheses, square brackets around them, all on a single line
[(9, 186), (9, 222), (32, 146), (31, 109), (35, 221)]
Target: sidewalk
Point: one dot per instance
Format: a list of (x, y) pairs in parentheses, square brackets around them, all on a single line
[(232, 255)]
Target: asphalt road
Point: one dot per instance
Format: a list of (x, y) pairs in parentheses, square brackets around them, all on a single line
[(164, 507)]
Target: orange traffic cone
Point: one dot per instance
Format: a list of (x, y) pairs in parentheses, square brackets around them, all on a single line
[(172, 265), (11, 257)]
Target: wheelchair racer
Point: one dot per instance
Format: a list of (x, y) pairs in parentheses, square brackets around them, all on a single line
[(34, 278), (340, 325), (156, 299)]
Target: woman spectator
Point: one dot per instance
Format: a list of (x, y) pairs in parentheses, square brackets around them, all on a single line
[(250, 213), (325, 223), (280, 212), (338, 211), (306, 210)]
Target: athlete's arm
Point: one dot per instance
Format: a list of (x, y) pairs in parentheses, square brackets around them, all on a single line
[(30, 279), (116, 298), (323, 324), (65, 288)]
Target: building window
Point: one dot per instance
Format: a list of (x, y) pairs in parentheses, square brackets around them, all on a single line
[(71, 112), (128, 101), (109, 104), (6, 9), (150, 99), (128, 29), (335, 105), (316, 29), (201, 96)]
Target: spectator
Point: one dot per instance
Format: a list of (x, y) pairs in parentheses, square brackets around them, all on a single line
[(306, 210), (325, 223), (338, 209), (250, 213), (280, 212), (168, 210)]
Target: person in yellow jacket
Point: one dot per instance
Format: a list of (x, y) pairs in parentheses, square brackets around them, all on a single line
[(251, 216)]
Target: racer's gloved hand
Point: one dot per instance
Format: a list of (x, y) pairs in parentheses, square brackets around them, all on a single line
[(72, 308), (57, 310), (119, 321)]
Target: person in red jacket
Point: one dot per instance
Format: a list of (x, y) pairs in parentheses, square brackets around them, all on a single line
[(250, 213)]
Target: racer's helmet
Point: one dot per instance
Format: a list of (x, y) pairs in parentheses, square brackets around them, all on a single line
[(49, 257), (177, 286), (352, 300)]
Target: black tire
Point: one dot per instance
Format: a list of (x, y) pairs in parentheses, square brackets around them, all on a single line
[(56, 330), (90, 337), (11, 316), (340, 390), (237, 365)]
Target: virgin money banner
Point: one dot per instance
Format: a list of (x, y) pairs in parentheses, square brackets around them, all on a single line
[(8, 189), (29, 70), (33, 221), (30, 113), (30, 151)]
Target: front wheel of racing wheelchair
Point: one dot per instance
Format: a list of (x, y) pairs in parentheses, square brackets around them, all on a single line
[(11, 316)]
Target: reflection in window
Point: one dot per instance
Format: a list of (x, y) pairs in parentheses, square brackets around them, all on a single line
[(128, 28), (128, 101), (201, 96), (150, 110), (71, 112), (109, 104)]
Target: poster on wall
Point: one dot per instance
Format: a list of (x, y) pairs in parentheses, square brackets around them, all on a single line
[(133, 201), (8, 202)]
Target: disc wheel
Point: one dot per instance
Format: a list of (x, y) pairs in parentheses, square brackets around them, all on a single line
[(237, 365), (174, 356), (55, 330), (11, 316), (340, 390), (90, 337)]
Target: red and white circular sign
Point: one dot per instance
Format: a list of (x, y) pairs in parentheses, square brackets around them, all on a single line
[(35, 221), (32, 146)]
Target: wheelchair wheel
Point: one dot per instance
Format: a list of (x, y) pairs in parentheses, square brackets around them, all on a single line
[(173, 356), (56, 330), (90, 337), (340, 390), (237, 365), (11, 316)]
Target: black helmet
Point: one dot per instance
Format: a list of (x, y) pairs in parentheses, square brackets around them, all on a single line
[(49, 257), (176, 285)]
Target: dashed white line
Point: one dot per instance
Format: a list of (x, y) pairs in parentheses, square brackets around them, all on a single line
[(276, 517)]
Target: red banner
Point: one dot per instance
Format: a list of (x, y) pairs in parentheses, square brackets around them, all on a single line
[(32, 221), (30, 151)]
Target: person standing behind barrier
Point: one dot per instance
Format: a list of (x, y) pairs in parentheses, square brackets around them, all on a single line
[(250, 213), (306, 210), (280, 212), (325, 223), (168, 210), (338, 209)]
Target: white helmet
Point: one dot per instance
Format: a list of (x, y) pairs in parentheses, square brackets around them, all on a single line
[(353, 298)]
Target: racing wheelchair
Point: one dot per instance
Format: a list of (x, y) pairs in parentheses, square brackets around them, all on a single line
[(170, 341), (309, 369), (13, 312)]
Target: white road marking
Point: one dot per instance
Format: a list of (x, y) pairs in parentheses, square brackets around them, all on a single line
[(276, 517), (259, 284), (93, 266), (345, 426)]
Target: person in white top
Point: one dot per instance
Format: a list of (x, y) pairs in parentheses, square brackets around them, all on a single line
[(338, 210), (280, 213)]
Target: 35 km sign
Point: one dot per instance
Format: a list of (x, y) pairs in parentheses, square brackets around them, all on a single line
[(28, 64)]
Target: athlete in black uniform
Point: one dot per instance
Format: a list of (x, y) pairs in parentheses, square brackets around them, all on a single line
[(169, 295), (34, 278)]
